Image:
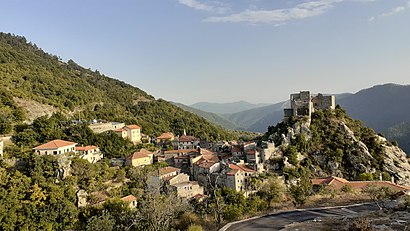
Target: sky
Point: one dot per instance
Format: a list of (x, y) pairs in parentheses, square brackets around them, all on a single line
[(190, 51)]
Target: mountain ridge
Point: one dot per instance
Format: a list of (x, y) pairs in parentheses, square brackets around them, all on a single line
[(29, 73), (226, 108)]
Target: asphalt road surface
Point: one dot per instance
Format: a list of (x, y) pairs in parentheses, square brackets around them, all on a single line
[(280, 220)]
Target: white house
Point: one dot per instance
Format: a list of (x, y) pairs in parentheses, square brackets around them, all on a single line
[(55, 147), (90, 153)]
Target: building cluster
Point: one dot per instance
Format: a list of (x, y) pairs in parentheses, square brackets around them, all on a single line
[(62, 147), (304, 104)]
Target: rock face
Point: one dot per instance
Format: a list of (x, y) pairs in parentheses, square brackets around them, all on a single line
[(354, 156), (397, 165), (82, 198)]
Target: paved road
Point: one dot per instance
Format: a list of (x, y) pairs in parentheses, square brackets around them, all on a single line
[(280, 220)]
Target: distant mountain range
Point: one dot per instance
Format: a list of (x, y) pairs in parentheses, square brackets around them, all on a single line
[(385, 108), (226, 108)]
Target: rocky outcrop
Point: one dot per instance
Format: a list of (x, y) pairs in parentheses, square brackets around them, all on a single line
[(397, 165), (356, 157)]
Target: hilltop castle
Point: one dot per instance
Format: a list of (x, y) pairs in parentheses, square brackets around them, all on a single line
[(303, 104)]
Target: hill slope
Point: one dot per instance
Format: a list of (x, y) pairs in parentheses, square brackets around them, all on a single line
[(29, 74), (226, 108), (334, 144)]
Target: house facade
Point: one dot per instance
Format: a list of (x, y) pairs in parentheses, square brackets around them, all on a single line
[(90, 153), (141, 158), (55, 147), (237, 178), (133, 133), (103, 127), (130, 200), (165, 138), (187, 142)]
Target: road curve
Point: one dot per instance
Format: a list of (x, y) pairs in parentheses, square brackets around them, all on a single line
[(278, 221)]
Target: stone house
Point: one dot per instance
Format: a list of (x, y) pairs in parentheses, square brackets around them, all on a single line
[(186, 142), (180, 158), (188, 189), (165, 138), (130, 200), (55, 147), (238, 176), (253, 156), (203, 166), (303, 104), (179, 182), (141, 158), (132, 132), (90, 153), (103, 127), (249, 146), (236, 151)]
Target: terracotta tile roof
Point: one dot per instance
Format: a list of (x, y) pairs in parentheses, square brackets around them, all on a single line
[(181, 157), (86, 148), (168, 170), (133, 126), (55, 144), (328, 180), (166, 135), (129, 198), (143, 150), (227, 156), (239, 168), (187, 138), (120, 130), (250, 152), (249, 143), (180, 151), (139, 155), (236, 149), (199, 196)]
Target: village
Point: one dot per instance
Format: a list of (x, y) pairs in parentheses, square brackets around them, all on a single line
[(195, 167)]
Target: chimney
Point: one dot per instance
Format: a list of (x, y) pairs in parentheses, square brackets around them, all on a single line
[(392, 179)]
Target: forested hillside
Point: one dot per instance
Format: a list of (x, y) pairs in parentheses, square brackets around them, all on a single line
[(29, 73)]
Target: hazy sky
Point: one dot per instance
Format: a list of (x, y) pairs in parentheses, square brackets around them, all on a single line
[(222, 51)]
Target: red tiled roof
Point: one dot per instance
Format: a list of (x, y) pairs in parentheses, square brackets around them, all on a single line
[(328, 180), (167, 170), (133, 126), (187, 138), (86, 148), (180, 151), (236, 149), (120, 130), (199, 196), (54, 144), (236, 168), (129, 198), (166, 135), (142, 153), (250, 152), (248, 143)]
